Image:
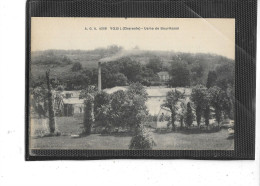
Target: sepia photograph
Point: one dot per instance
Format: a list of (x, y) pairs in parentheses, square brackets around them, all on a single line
[(132, 84), (129, 93)]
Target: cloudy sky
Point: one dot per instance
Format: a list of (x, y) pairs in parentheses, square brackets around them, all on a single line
[(194, 35)]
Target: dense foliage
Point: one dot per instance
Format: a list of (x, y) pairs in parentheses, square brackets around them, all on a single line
[(88, 95), (142, 140), (76, 67), (88, 115), (198, 96), (172, 99), (203, 102), (188, 115), (75, 70), (50, 104), (220, 102), (39, 101), (212, 78), (180, 74), (125, 109)]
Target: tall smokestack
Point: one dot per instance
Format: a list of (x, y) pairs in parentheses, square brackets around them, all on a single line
[(99, 76)]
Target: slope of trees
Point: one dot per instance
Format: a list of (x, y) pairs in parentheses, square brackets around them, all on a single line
[(125, 71), (212, 78), (78, 69), (180, 74)]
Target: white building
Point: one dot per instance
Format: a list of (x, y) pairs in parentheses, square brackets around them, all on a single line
[(156, 96), (69, 104), (163, 75)]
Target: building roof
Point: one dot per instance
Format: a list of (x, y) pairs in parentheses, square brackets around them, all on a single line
[(162, 92), (151, 91), (114, 89)]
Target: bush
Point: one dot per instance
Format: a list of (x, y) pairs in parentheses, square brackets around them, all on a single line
[(142, 140), (188, 117), (88, 116), (151, 118), (76, 67)]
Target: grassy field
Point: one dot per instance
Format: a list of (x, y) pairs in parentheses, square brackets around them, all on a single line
[(169, 141)]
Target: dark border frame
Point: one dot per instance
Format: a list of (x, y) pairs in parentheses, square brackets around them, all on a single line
[(245, 13)]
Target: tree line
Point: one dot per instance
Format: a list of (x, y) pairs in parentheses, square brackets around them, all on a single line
[(126, 70), (212, 102)]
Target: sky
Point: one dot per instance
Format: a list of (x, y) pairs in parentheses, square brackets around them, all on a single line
[(195, 35)]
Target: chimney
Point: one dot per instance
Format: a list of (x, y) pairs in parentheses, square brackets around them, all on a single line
[(99, 76)]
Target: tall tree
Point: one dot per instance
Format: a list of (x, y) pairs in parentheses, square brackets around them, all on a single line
[(172, 98), (197, 72), (135, 113), (188, 118), (88, 95), (136, 109), (88, 114), (101, 109), (198, 98), (50, 104), (100, 99), (182, 113), (180, 74), (155, 64), (206, 113), (137, 89), (118, 111), (212, 78), (206, 108), (230, 106), (226, 75), (219, 101), (39, 100)]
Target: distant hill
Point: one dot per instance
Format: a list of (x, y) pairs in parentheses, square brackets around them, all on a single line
[(61, 61)]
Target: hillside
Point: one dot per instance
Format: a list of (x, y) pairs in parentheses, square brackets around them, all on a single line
[(61, 61)]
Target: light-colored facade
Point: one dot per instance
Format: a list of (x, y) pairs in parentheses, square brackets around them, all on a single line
[(156, 96), (163, 75), (69, 104)]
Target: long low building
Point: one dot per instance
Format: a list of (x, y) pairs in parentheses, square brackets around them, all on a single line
[(70, 104), (156, 96)]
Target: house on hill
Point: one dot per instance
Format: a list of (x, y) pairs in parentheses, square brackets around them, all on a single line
[(164, 76)]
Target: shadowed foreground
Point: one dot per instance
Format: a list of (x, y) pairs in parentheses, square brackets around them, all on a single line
[(167, 141)]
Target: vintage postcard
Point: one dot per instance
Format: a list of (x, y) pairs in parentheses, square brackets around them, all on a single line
[(132, 83)]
